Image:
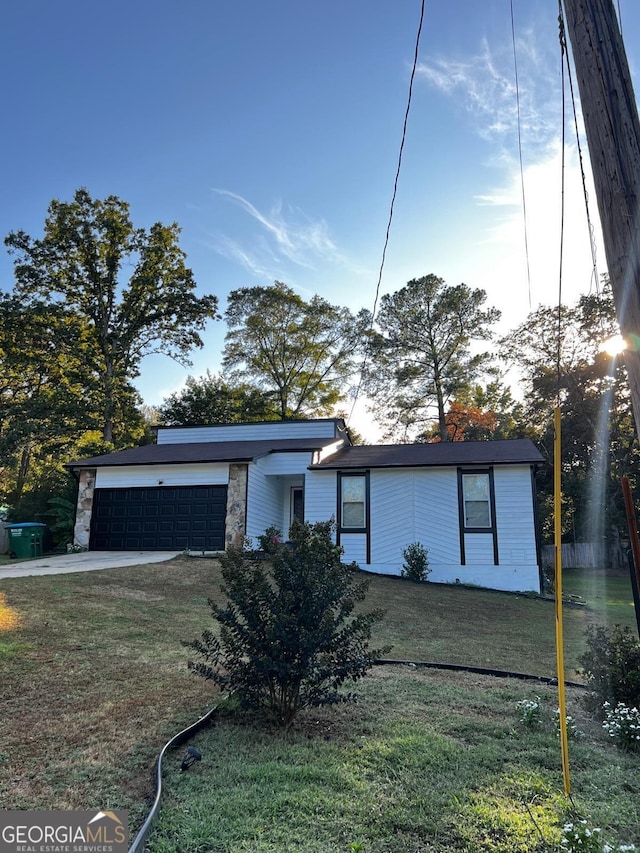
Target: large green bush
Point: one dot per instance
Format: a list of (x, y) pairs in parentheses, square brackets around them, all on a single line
[(288, 635), (611, 666)]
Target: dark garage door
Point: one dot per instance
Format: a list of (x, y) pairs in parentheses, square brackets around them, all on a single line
[(167, 518)]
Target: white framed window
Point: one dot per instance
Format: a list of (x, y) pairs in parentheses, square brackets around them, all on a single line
[(476, 491), (353, 501)]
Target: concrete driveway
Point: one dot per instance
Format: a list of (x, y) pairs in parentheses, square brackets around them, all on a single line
[(87, 561)]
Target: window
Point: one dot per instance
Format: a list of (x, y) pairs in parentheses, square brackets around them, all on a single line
[(477, 500), (353, 496)]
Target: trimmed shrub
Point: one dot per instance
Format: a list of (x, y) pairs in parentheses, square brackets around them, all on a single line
[(288, 637), (270, 540), (416, 562)]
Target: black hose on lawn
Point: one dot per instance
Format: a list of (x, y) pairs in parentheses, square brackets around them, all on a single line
[(185, 734), (176, 740)]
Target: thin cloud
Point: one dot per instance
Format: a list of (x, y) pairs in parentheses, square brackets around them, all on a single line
[(233, 251), (484, 85), (290, 236)]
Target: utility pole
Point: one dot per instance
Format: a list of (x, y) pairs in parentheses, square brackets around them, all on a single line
[(613, 137)]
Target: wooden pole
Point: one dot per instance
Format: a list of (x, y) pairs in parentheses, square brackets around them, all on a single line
[(613, 137), (635, 547)]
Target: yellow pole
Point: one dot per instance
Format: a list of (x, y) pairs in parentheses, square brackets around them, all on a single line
[(557, 530)]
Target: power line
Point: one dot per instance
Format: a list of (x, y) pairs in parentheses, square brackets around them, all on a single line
[(592, 240), (393, 200), (563, 44), (524, 201)]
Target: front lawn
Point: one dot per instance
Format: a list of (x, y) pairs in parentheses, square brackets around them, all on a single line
[(607, 593), (426, 761), (94, 681)]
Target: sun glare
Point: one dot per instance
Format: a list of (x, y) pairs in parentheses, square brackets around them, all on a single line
[(9, 618), (614, 346)]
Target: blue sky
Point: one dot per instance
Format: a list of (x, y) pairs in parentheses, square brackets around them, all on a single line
[(270, 133)]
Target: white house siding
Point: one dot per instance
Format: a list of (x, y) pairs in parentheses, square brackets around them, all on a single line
[(320, 496), (269, 494), (187, 474), (421, 505), (413, 505), (283, 463), (355, 548), (247, 432), (264, 502), (518, 569), (478, 549)]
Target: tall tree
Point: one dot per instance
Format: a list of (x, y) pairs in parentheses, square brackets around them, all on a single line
[(130, 286), (209, 399), (420, 353), (43, 404), (301, 352), (562, 363)]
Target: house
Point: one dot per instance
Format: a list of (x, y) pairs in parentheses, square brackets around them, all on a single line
[(471, 504)]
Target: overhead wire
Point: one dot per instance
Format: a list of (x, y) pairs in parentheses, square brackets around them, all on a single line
[(524, 199), (595, 279), (563, 45), (392, 205)]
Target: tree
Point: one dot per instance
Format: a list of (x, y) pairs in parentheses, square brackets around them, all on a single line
[(44, 406), (82, 263), (420, 353), (209, 399), (301, 352), (288, 636), (562, 363), (481, 413)]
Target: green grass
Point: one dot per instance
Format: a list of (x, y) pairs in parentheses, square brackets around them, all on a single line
[(426, 761), (94, 681), (608, 594), (6, 560)]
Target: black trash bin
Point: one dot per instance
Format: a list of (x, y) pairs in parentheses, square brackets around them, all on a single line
[(26, 539)]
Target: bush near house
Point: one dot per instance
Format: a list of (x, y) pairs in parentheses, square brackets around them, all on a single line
[(288, 634), (416, 562)]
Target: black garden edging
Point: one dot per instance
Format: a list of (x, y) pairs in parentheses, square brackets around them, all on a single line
[(478, 670), (185, 734), (176, 740)]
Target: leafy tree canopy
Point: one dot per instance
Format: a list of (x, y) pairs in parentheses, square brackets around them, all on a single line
[(562, 363), (482, 413), (209, 399), (420, 354), (129, 287), (300, 352)]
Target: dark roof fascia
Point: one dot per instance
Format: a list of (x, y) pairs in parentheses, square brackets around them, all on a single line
[(341, 459), (115, 460), (323, 466)]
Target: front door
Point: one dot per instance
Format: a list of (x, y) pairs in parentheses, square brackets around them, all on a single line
[(297, 503)]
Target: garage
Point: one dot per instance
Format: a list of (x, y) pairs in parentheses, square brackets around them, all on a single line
[(163, 518)]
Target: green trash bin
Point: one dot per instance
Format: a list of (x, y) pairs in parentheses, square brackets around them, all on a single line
[(25, 539)]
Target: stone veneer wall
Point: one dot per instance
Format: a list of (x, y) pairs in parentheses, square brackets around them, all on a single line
[(86, 487), (236, 522)]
